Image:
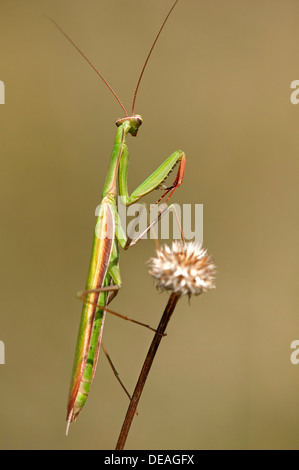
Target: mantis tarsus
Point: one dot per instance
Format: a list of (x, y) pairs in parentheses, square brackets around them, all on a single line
[(104, 279)]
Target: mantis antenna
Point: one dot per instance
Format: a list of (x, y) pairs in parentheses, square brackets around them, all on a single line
[(100, 75), (88, 61), (149, 54)]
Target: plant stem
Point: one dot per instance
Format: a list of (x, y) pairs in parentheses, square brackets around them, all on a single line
[(173, 299)]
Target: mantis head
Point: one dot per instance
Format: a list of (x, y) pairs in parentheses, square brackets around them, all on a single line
[(134, 122)]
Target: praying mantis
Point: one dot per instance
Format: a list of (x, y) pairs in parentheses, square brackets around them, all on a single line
[(104, 280)]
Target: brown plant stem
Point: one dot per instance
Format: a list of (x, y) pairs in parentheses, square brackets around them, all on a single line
[(173, 299)]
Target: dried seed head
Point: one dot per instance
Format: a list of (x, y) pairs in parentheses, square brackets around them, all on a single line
[(185, 268)]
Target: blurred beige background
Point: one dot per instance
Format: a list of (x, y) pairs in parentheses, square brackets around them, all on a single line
[(218, 87)]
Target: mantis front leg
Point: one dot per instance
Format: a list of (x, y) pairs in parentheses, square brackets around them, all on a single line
[(154, 181)]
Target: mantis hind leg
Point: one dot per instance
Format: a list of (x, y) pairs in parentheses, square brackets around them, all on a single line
[(114, 272), (114, 288), (83, 296)]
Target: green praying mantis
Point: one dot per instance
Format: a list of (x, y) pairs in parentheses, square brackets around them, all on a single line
[(104, 280)]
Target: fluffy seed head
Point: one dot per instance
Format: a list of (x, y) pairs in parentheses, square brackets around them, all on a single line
[(185, 268)]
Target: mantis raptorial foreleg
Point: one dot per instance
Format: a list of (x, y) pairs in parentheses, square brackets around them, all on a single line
[(154, 181)]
